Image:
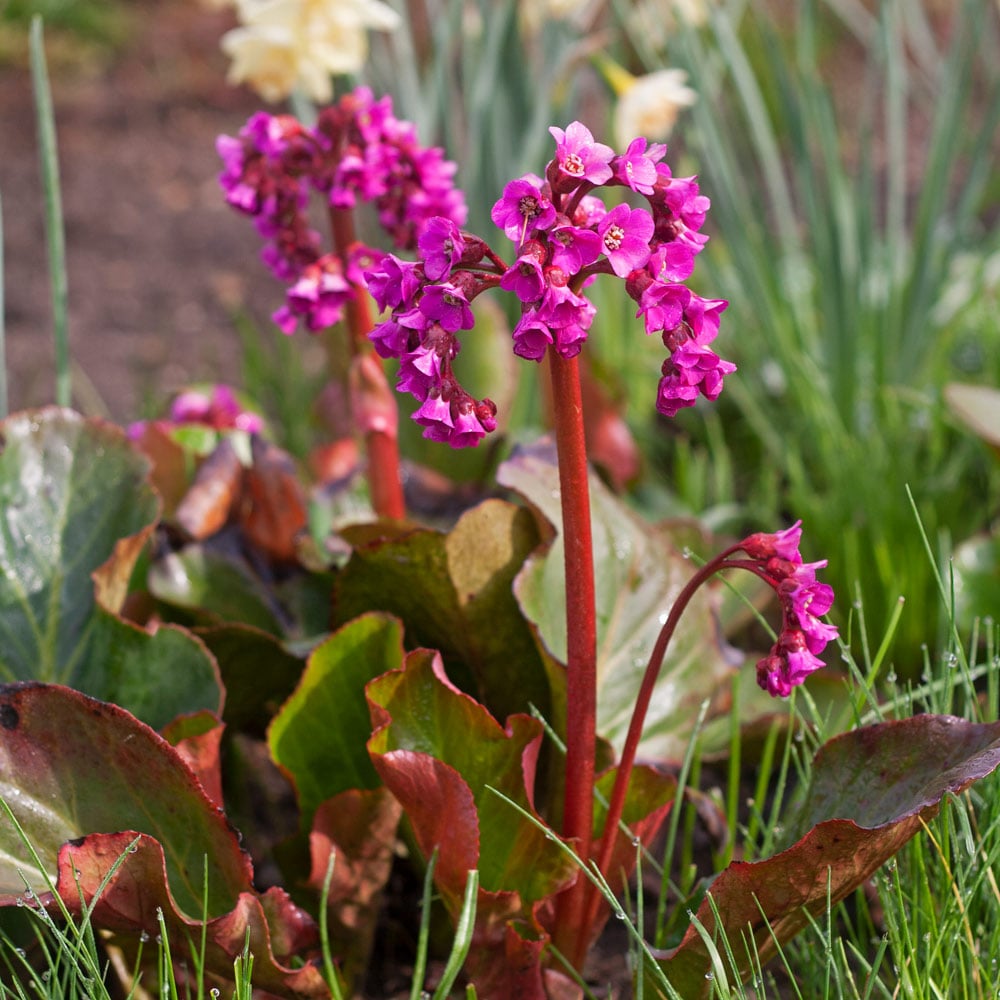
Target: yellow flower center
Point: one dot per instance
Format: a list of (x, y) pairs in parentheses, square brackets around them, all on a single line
[(613, 238)]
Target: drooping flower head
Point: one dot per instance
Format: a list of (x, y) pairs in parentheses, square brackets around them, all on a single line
[(775, 558)]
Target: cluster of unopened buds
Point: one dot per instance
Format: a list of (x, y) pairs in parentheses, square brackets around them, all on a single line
[(564, 237), (216, 408), (357, 151), (804, 600)]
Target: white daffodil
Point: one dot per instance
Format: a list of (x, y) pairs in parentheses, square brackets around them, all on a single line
[(648, 105), (284, 44)]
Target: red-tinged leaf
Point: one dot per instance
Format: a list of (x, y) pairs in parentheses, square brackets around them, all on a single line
[(510, 966), (112, 577), (872, 790), (319, 737), (335, 462), (210, 500), (442, 811), (358, 828), (639, 573), (647, 803), (440, 753), (197, 739), (135, 895), (172, 466), (272, 510), (71, 766)]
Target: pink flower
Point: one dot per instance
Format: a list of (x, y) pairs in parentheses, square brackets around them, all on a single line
[(579, 157), (787, 666), (690, 370), (636, 167), (525, 278), (446, 304), (573, 248), (776, 559), (393, 283), (625, 234), (219, 409), (532, 337), (441, 247), (662, 305), (783, 544), (522, 209)]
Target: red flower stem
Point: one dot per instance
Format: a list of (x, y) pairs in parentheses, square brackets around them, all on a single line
[(381, 443), (581, 645), (616, 803)]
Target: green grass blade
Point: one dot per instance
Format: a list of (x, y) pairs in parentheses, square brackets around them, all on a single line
[(463, 937), (329, 972), (55, 233), (3, 330), (423, 938)]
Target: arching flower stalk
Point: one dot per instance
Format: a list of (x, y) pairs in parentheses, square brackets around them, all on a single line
[(776, 560)]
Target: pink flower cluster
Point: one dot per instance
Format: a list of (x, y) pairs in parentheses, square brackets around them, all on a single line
[(804, 600), (564, 236), (218, 408), (356, 151)]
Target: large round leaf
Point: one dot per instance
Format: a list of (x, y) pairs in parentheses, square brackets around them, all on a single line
[(71, 766), (453, 593), (76, 507)]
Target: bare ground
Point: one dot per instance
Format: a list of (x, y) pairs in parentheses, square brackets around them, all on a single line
[(157, 263)]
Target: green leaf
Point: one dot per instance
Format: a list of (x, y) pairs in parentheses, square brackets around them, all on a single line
[(217, 584), (258, 674), (70, 489), (872, 790), (453, 593), (319, 737), (76, 508), (638, 574), (155, 676)]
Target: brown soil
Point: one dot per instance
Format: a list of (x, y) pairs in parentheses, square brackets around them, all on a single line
[(157, 263)]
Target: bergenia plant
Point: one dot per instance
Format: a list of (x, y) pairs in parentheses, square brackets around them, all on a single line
[(367, 729), (563, 236)]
